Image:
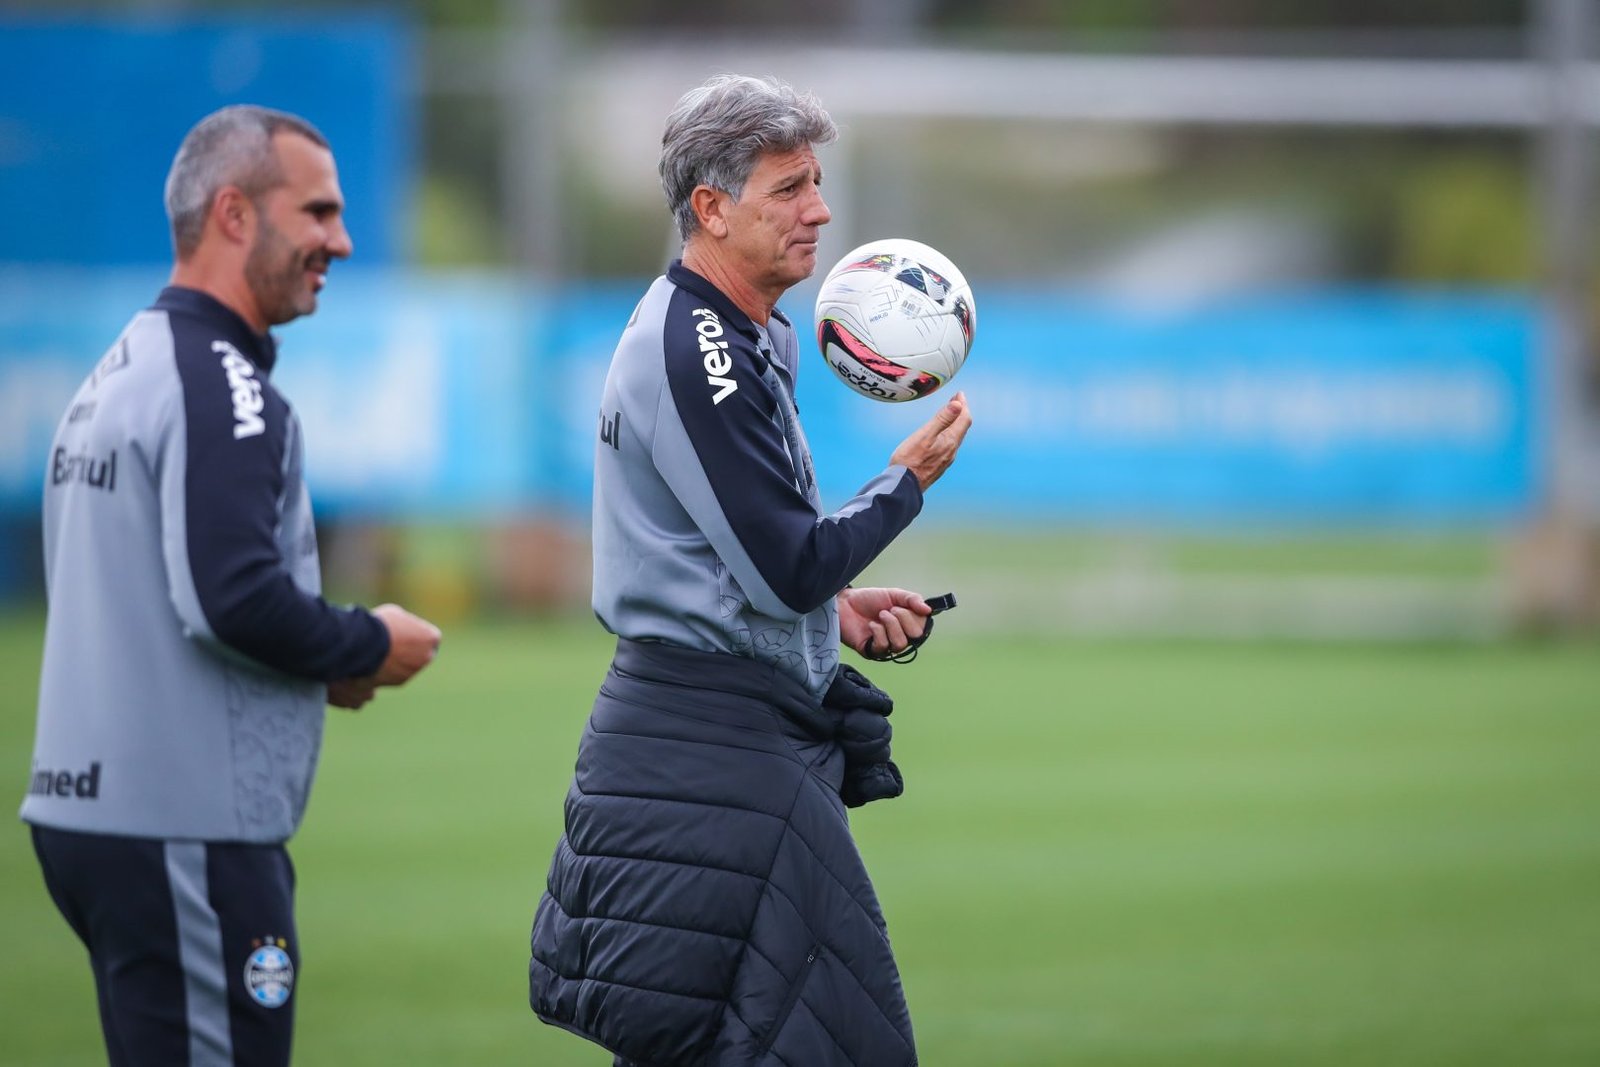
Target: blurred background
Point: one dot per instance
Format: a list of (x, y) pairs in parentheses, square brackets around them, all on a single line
[(1286, 309), (1264, 733)]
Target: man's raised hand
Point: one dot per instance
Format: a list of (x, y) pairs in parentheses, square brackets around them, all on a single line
[(930, 450)]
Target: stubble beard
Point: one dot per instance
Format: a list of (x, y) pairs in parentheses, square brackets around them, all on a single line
[(276, 275)]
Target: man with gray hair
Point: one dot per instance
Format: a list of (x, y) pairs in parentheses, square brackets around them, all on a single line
[(188, 651), (707, 904)]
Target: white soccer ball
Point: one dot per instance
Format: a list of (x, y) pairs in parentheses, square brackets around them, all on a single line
[(895, 319)]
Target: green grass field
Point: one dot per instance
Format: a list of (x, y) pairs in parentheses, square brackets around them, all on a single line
[(1108, 853)]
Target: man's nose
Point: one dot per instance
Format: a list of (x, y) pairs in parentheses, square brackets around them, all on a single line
[(340, 245), (819, 215)]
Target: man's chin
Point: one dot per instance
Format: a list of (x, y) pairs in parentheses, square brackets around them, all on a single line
[(801, 267), (289, 310), (305, 302)]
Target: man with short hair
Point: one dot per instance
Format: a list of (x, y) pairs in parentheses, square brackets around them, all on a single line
[(188, 652), (707, 905)]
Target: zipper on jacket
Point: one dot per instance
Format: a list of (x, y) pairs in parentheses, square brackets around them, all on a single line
[(789, 1001)]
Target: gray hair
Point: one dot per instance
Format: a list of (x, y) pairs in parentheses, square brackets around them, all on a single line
[(232, 146), (718, 131)]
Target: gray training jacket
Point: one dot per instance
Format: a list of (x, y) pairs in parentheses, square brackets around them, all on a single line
[(187, 644), (709, 532)]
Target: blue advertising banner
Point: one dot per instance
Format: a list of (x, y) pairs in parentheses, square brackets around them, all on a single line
[(1368, 406), (475, 395), (93, 109)]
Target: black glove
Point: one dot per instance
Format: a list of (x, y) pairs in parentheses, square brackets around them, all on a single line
[(851, 689), (863, 733), (872, 781)]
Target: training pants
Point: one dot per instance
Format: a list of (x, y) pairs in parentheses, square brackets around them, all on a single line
[(192, 944)]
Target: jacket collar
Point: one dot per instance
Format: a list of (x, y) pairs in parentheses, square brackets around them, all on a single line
[(260, 348), (684, 278)]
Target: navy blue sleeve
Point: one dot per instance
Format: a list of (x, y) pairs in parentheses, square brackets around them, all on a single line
[(234, 481), (733, 421)]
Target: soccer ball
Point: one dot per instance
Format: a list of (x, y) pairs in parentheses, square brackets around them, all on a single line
[(895, 319)]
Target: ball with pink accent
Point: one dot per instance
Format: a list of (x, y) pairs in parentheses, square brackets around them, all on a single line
[(895, 319)]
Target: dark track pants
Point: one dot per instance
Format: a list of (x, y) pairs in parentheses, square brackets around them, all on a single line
[(193, 944)]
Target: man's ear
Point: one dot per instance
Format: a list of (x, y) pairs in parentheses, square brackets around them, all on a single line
[(233, 214), (709, 205)]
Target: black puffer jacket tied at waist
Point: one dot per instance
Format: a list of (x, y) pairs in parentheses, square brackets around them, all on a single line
[(707, 905)]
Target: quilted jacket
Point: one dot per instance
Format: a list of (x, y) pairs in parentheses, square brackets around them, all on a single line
[(707, 906)]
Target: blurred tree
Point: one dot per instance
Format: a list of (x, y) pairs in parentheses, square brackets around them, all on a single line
[(1463, 215), (454, 226), (459, 14)]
